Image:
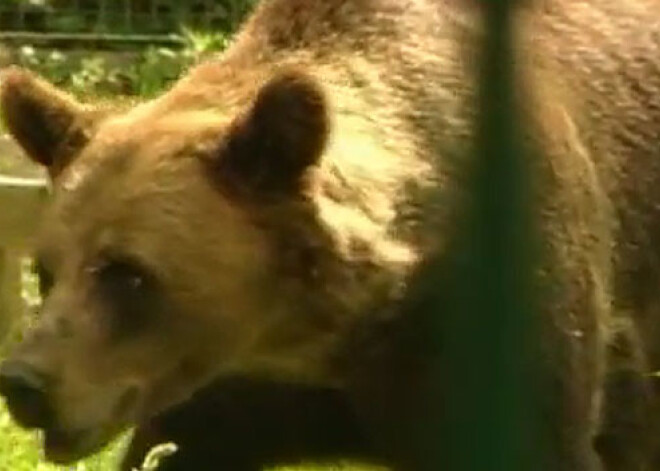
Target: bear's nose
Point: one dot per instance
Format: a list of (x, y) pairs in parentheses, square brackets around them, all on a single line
[(25, 391)]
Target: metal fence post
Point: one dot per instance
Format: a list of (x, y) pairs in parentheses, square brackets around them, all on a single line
[(487, 329)]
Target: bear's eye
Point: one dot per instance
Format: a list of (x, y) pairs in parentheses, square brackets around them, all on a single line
[(120, 279), (129, 291), (44, 277)]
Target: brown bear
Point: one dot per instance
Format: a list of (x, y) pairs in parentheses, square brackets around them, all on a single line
[(247, 242)]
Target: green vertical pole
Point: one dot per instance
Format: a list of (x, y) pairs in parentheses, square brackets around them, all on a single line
[(21, 16), (128, 17), (488, 329), (102, 21)]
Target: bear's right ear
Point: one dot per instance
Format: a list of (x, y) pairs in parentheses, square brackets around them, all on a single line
[(50, 125), (279, 136)]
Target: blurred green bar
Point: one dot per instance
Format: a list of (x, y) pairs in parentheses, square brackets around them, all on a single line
[(486, 328)]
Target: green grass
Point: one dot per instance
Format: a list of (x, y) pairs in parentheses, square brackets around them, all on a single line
[(21, 451)]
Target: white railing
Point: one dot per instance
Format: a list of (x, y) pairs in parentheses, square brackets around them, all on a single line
[(23, 190)]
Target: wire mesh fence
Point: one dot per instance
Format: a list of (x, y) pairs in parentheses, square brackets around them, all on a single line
[(117, 16)]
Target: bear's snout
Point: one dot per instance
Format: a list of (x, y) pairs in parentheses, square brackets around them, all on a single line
[(25, 390)]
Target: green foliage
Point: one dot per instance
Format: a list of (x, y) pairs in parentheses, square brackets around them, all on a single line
[(159, 66), (142, 73), (200, 43), (21, 451)]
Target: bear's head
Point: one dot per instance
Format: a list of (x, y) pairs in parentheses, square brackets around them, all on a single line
[(179, 244)]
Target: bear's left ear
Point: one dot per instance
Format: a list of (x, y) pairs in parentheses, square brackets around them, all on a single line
[(268, 149), (50, 125)]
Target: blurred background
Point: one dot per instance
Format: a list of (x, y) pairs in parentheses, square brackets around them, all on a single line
[(114, 47)]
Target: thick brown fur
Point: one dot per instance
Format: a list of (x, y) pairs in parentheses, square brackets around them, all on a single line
[(266, 216)]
